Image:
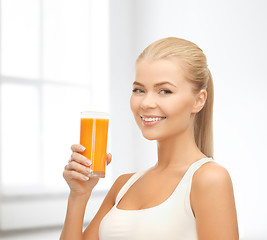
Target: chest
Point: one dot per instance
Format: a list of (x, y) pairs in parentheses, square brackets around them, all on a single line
[(150, 190)]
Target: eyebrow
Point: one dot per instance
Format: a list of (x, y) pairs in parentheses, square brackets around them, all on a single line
[(156, 85)]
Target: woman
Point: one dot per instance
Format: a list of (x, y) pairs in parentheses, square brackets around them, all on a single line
[(186, 195)]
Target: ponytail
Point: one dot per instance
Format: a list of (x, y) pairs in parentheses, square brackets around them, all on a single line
[(203, 129)]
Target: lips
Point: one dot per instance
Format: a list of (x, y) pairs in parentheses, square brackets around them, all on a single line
[(151, 119)]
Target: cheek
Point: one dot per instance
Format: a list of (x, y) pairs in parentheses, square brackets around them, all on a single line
[(179, 109), (133, 104)]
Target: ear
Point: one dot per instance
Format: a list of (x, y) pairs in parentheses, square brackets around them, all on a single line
[(200, 100)]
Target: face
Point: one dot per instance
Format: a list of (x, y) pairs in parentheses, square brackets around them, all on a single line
[(162, 100)]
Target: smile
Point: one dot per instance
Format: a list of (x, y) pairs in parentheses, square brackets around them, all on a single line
[(151, 120)]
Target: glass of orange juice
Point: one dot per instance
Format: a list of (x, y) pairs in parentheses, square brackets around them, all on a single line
[(93, 136)]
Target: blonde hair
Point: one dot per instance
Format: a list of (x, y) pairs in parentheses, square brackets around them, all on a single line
[(196, 70)]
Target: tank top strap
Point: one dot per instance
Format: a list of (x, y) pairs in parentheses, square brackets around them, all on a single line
[(188, 181), (195, 166), (128, 184)]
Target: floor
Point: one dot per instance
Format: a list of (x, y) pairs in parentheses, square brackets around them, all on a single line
[(41, 234)]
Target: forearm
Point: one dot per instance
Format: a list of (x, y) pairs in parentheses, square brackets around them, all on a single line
[(73, 225)]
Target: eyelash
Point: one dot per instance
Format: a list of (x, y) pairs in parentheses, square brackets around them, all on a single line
[(167, 91), (138, 89)]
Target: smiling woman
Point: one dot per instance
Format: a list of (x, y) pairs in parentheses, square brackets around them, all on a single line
[(186, 195)]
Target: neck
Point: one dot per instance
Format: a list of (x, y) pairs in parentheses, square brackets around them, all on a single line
[(178, 151)]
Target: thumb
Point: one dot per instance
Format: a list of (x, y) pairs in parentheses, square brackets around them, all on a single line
[(109, 157)]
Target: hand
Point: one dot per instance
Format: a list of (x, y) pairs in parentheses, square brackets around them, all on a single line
[(76, 172)]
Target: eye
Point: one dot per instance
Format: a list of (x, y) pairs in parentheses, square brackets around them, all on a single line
[(165, 91), (138, 90)]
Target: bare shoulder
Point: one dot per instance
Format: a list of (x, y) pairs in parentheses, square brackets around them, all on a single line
[(213, 204), (124, 177), (210, 180), (120, 181), (210, 174)]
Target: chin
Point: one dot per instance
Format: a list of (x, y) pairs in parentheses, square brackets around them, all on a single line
[(151, 136)]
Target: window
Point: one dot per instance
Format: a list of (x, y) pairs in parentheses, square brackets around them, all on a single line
[(54, 64)]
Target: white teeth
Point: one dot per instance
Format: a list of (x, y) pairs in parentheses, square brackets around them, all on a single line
[(152, 119)]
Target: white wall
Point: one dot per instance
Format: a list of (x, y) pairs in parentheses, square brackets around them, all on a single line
[(233, 36)]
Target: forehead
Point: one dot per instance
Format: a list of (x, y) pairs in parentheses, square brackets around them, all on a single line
[(159, 70)]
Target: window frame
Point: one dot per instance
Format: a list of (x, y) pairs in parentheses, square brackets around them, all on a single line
[(39, 84)]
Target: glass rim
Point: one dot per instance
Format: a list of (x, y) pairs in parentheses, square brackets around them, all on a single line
[(95, 114)]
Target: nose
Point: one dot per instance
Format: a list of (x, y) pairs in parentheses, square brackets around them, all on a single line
[(148, 101)]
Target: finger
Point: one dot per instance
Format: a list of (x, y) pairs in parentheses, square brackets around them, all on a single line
[(77, 148), (109, 157), (74, 175), (74, 166), (77, 157)]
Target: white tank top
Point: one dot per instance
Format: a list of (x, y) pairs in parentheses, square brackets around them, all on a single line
[(173, 219)]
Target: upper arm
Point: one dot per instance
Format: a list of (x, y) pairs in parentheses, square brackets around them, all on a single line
[(91, 231), (212, 200)]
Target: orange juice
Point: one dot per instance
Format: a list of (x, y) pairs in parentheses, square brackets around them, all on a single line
[(93, 136)]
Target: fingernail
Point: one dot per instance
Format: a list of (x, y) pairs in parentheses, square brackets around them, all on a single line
[(85, 178), (88, 162), (83, 148), (90, 171)]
